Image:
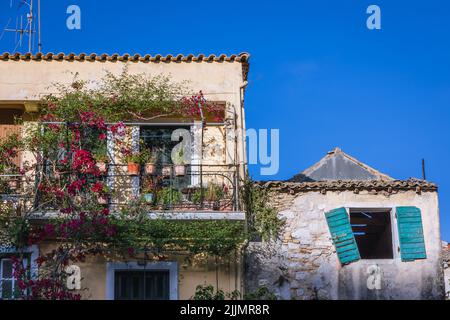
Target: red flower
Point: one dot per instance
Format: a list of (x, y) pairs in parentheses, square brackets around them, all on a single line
[(98, 187)]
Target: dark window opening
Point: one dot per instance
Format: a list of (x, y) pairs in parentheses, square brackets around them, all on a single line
[(373, 233), (159, 142), (142, 285)]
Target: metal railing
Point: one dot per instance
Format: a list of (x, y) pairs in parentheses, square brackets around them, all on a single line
[(189, 188)]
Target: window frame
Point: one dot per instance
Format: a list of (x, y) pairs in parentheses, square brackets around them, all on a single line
[(141, 275), (394, 232), (32, 254), (113, 267)]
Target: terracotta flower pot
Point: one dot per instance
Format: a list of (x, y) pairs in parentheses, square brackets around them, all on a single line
[(167, 171), (150, 169), (102, 167), (13, 184), (133, 168), (102, 199), (180, 170)]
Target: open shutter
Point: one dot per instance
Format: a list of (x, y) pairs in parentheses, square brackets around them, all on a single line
[(410, 232), (342, 235)]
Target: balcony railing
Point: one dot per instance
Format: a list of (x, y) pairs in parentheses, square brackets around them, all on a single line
[(191, 188)]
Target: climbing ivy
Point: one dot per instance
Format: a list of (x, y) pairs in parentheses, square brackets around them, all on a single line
[(262, 218)]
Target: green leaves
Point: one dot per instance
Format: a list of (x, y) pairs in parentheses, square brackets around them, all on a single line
[(261, 217), (216, 237), (117, 98)]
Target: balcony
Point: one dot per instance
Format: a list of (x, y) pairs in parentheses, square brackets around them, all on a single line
[(176, 192)]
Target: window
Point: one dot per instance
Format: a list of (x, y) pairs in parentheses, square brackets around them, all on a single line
[(159, 141), (142, 285), (8, 283), (133, 280), (373, 232)]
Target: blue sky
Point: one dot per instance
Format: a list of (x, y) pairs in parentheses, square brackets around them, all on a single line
[(317, 73)]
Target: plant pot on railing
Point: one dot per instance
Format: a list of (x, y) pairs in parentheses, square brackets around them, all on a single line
[(150, 169), (101, 158), (133, 162), (180, 170), (180, 163), (13, 184), (103, 199), (167, 171), (133, 168), (102, 166)]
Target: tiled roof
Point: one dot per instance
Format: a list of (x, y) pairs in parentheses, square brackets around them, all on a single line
[(446, 252), (352, 185), (242, 58)]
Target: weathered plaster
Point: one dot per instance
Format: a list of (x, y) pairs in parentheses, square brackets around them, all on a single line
[(305, 256)]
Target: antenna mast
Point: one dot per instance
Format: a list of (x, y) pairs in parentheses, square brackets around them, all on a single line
[(39, 26), (29, 28)]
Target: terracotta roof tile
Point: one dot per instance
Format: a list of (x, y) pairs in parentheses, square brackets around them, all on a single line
[(241, 58), (353, 185)]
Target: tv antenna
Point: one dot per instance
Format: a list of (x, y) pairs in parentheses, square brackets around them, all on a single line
[(29, 29)]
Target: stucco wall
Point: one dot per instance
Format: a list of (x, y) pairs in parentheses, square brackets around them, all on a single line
[(25, 81), (191, 272), (304, 264)]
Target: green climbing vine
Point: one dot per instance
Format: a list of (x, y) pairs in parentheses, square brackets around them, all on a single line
[(262, 218)]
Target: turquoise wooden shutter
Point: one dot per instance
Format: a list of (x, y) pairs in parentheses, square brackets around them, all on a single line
[(410, 233), (342, 235)]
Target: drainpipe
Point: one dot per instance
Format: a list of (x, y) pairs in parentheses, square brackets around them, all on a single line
[(201, 155), (243, 248), (241, 116)]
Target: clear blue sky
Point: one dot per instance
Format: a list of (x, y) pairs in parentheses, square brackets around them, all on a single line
[(317, 73)]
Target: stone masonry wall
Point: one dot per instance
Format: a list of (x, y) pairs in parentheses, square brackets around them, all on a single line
[(303, 264)]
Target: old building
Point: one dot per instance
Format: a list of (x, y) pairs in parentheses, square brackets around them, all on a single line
[(25, 79), (351, 232), (446, 263)]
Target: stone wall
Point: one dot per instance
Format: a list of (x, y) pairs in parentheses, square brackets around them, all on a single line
[(303, 264)]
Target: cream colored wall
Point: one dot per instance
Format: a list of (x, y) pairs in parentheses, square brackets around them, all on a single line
[(199, 271), (219, 81)]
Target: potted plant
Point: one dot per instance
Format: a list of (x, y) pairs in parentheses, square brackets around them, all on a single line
[(13, 183), (147, 191), (103, 194), (102, 159), (166, 170), (133, 163), (213, 194), (102, 199), (148, 159), (168, 196), (179, 163)]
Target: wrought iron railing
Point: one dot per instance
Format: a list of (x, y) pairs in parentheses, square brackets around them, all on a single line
[(159, 188)]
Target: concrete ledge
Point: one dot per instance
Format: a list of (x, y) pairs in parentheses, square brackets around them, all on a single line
[(213, 215), (172, 215)]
